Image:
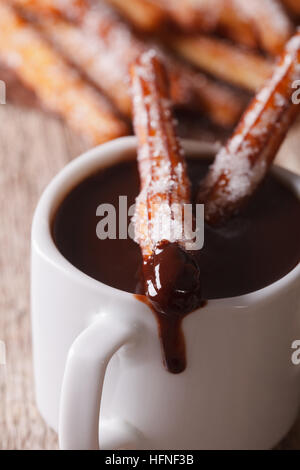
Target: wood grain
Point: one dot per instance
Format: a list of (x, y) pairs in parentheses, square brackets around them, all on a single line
[(33, 148)]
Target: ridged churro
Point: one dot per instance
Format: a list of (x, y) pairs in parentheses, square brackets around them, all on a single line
[(293, 6), (242, 163), (161, 164), (271, 25)]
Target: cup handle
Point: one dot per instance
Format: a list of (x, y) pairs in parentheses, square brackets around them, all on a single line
[(82, 386)]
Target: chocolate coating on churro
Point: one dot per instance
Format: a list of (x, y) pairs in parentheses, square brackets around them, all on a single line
[(171, 275)]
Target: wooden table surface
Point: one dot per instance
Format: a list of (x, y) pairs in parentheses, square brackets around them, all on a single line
[(33, 148)]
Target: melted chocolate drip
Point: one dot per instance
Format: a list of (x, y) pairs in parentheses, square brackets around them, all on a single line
[(249, 252)]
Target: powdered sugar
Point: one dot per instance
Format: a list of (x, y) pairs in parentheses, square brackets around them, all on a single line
[(243, 162)]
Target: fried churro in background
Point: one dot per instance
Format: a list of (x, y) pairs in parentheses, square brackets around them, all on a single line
[(293, 6), (57, 85), (103, 53), (171, 275), (208, 74), (242, 163), (256, 24), (165, 187), (104, 46), (145, 15), (195, 91), (161, 165), (72, 10), (236, 65)]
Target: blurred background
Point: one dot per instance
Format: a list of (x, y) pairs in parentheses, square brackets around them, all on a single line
[(65, 65)]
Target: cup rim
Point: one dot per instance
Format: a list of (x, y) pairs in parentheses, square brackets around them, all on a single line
[(111, 153)]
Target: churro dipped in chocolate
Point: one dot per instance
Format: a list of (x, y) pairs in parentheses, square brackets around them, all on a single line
[(145, 15), (242, 163), (256, 23), (57, 85), (171, 275), (104, 46)]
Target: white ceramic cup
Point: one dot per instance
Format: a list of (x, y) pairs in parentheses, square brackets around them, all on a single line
[(97, 348)]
